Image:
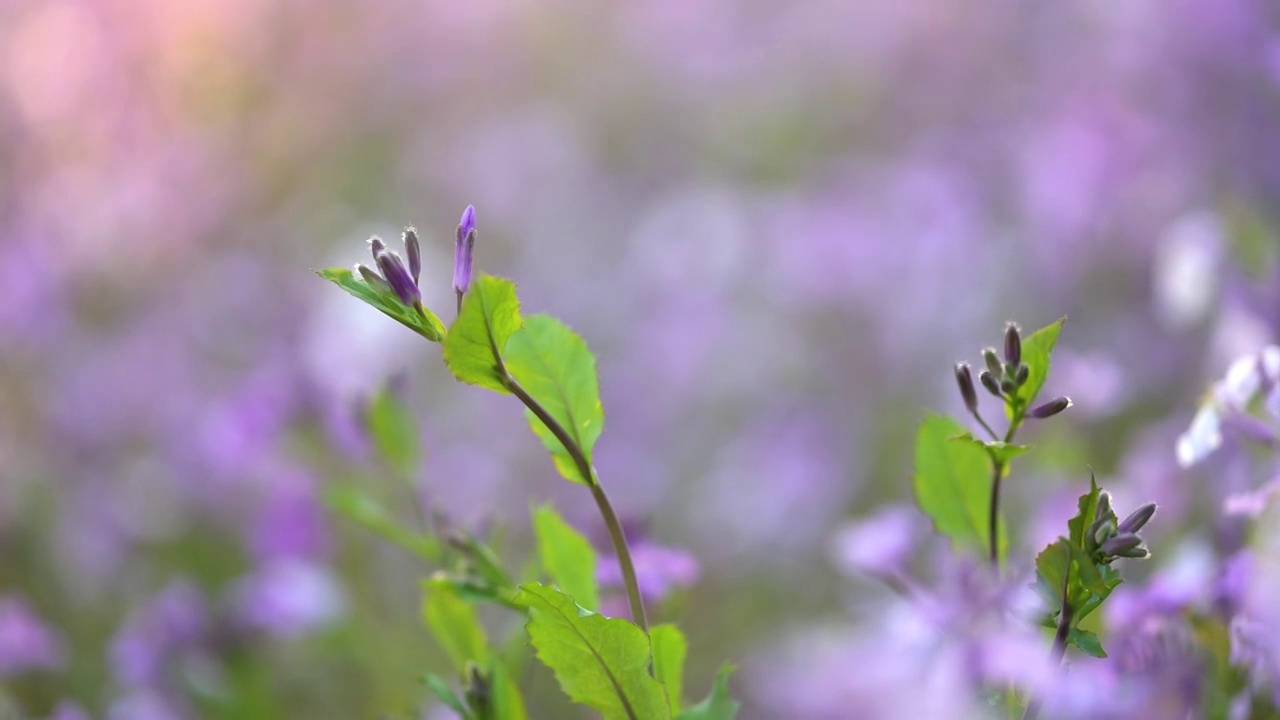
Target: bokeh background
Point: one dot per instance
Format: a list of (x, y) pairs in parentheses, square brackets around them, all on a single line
[(778, 224)]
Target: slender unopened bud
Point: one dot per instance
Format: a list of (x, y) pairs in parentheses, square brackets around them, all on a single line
[(372, 279), (1021, 374), (397, 276), (1051, 408), (989, 382), (1012, 344), (993, 362), (1104, 506), (463, 251), (413, 253), (964, 378), (1138, 518), (376, 246), (1117, 544), (1138, 553)]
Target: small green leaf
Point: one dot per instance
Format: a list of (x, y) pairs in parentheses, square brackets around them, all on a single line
[(717, 705), (1088, 510), (1087, 642), (1036, 353), (353, 503), (474, 346), (441, 689), (1052, 567), (953, 483), (600, 662), (999, 451), (394, 431), (669, 650), (426, 324), (567, 556), (554, 365), (455, 625), (508, 703)]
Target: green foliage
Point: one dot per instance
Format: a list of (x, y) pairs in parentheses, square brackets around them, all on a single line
[(999, 451), (600, 662), (669, 650), (426, 324), (441, 689), (394, 431), (1036, 352), (454, 623), (508, 703), (474, 347), (567, 556), (718, 705), (1067, 563), (953, 482), (355, 504), (556, 368)]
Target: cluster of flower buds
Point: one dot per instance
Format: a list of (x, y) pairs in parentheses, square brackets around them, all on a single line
[(395, 276), (1106, 541), (1003, 378)]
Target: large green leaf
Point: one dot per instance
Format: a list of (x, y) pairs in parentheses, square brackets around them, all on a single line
[(554, 365), (600, 662), (474, 347), (567, 556), (394, 431), (669, 650), (1036, 353), (953, 483), (454, 623), (717, 705), (427, 324)]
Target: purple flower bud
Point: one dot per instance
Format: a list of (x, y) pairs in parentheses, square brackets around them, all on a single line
[(413, 252), (989, 382), (463, 250), (1104, 506), (1138, 553), (1012, 344), (376, 246), (993, 362), (1122, 543), (397, 276), (371, 278), (1021, 374), (1138, 518), (965, 380), (1008, 387), (1051, 408)]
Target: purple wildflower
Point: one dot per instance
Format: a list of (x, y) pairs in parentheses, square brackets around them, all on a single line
[(463, 251), (398, 277), (413, 252), (26, 643)]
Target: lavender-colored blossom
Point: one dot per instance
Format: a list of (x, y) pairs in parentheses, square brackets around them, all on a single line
[(172, 624), (463, 251), (660, 569), (289, 598), (414, 253), (26, 643), (880, 545), (398, 277)]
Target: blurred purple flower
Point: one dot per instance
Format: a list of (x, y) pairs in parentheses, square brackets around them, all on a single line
[(172, 624), (880, 545), (67, 710), (659, 569), (291, 522), (289, 598), (26, 643), (1229, 405)]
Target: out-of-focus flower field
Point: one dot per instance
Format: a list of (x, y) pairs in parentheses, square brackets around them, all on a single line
[(778, 225)]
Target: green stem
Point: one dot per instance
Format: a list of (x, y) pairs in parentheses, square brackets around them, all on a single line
[(997, 474), (616, 535), (1059, 639)]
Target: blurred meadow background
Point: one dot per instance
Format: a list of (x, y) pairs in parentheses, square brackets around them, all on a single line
[(778, 225)]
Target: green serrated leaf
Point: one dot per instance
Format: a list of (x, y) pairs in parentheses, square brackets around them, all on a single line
[(474, 346), (567, 556), (600, 662), (394, 431), (997, 450), (669, 650), (1036, 353), (717, 705), (442, 690), (1087, 642), (1087, 511), (427, 324), (554, 365), (953, 484), (354, 504), (454, 623)]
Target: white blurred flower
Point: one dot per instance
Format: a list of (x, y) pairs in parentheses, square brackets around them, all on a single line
[(1202, 438)]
